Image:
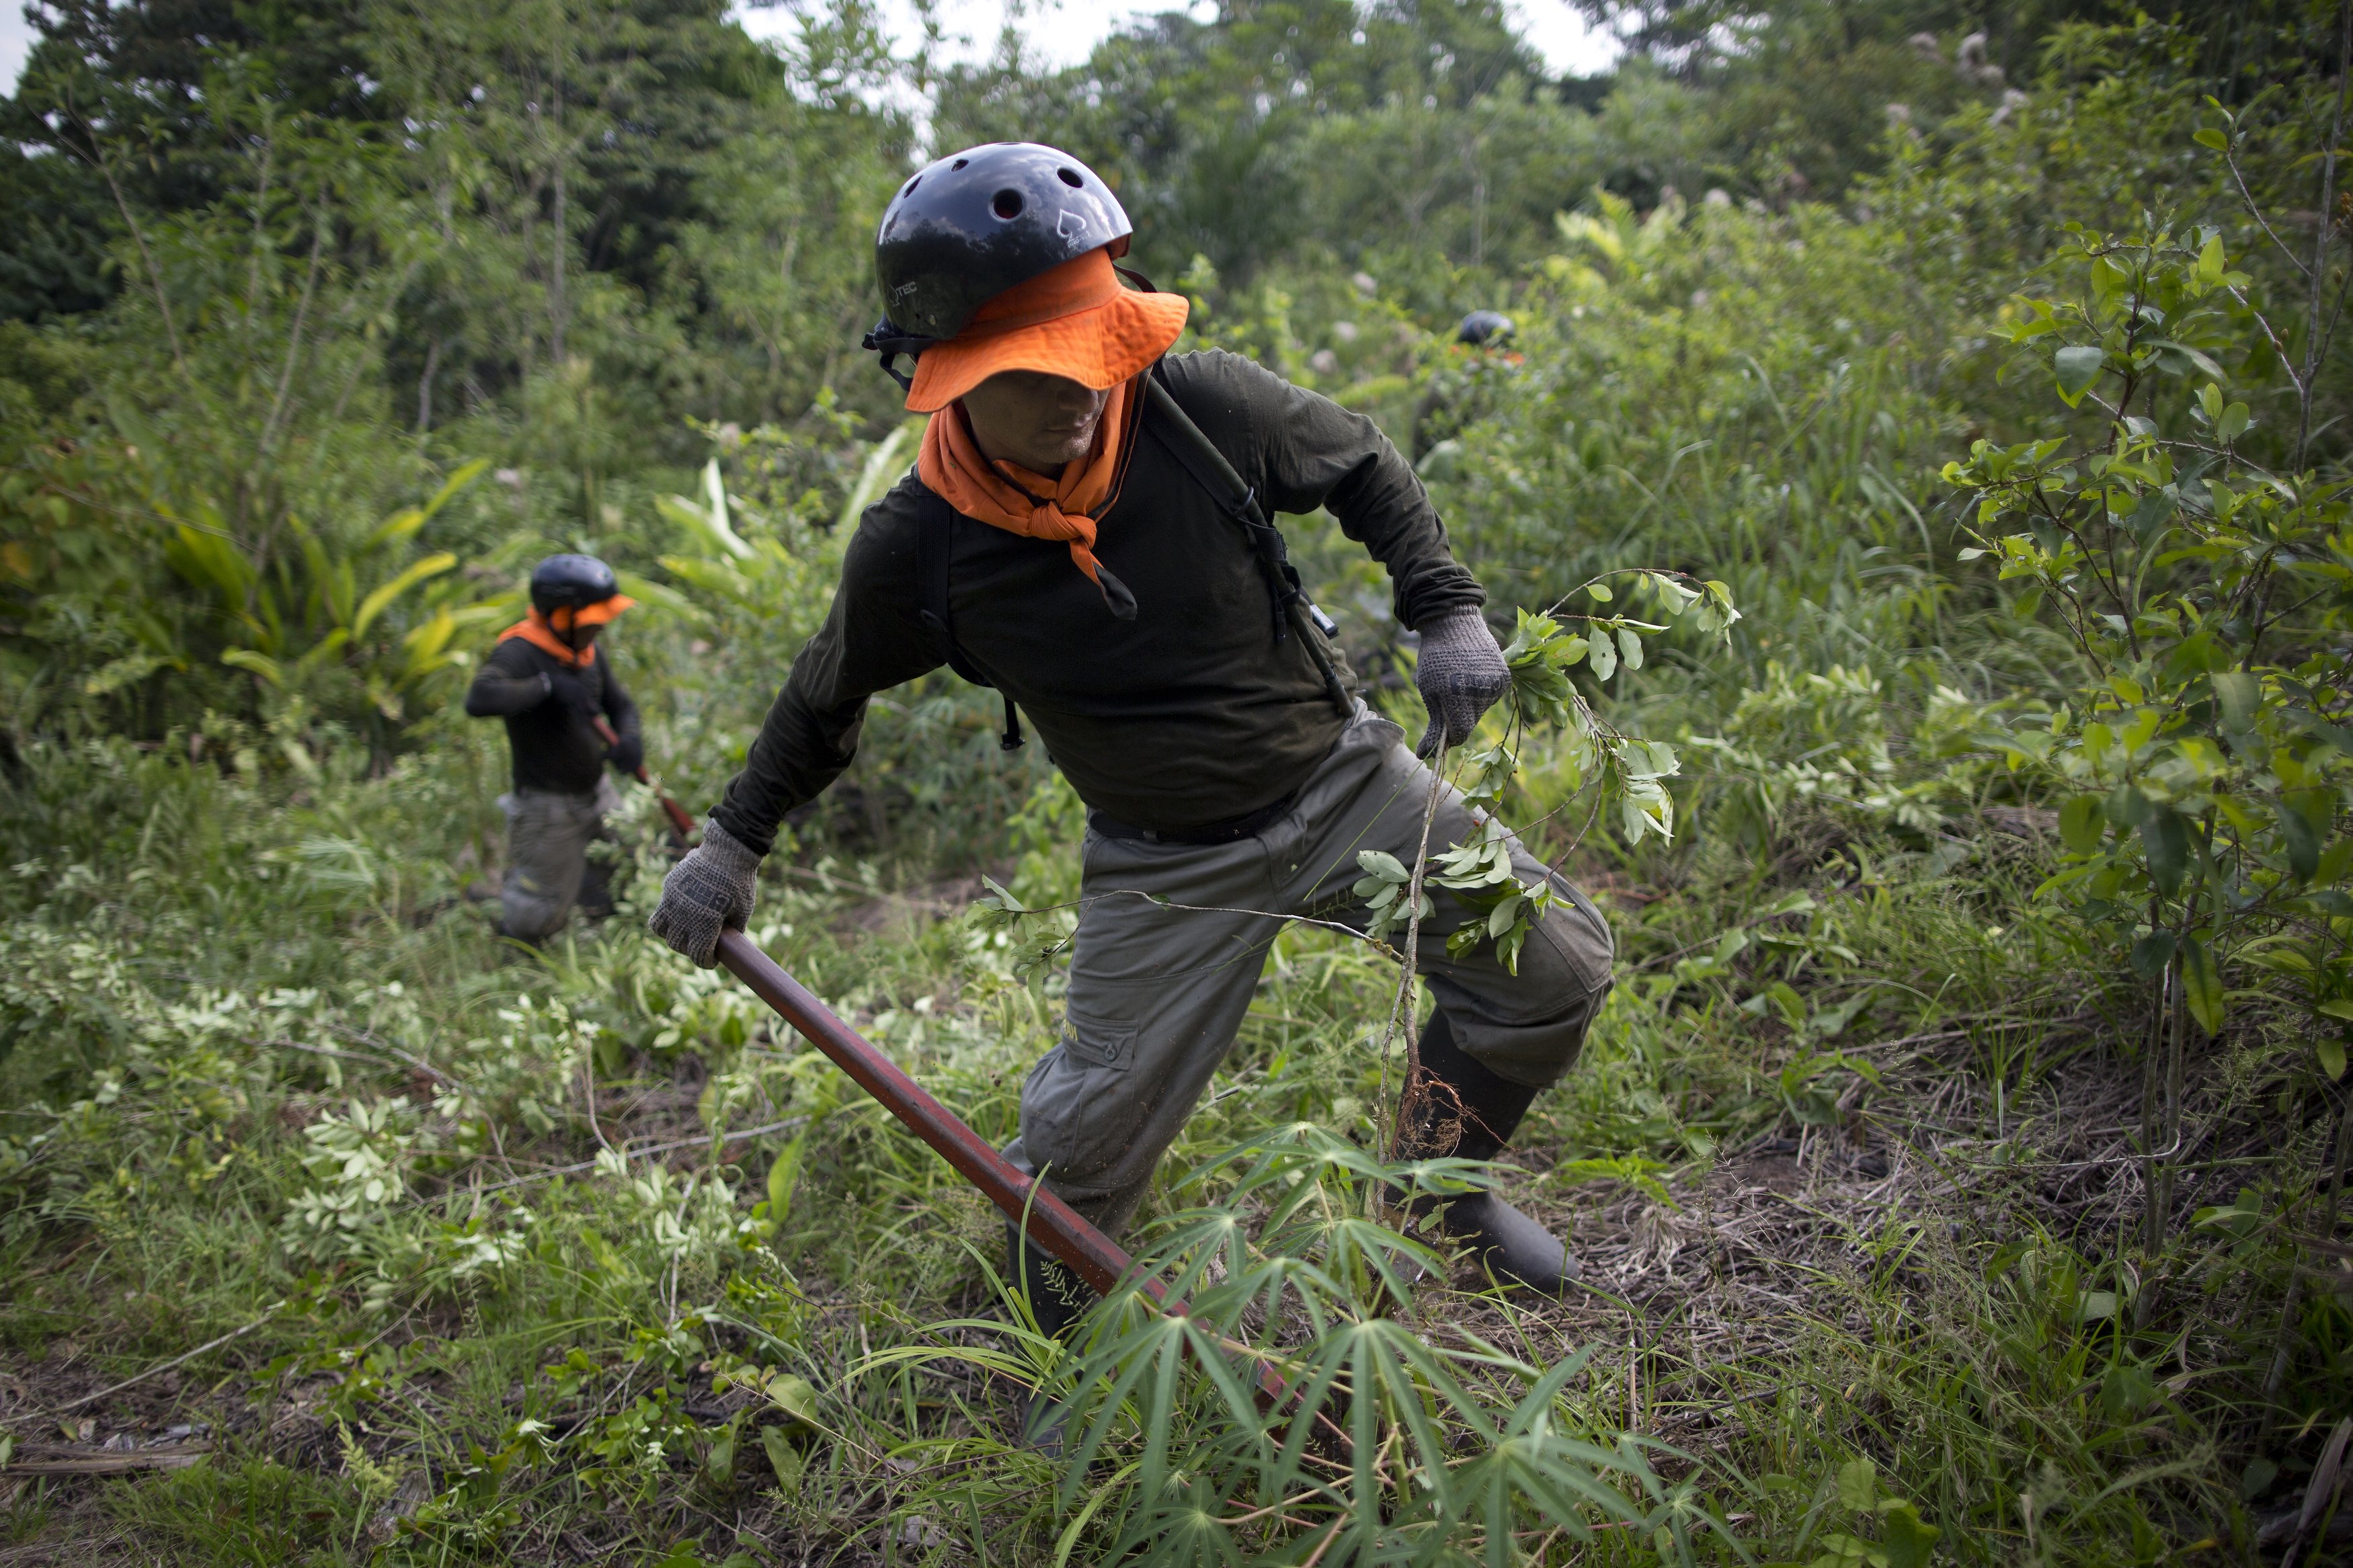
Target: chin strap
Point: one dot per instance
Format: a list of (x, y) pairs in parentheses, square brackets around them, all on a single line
[(889, 339)]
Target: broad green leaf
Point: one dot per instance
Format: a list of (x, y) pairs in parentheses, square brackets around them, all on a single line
[(2207, 136), (2076, 368), (2155, 511), (1678, 598), (116, 674), (2331, 1052), (875, 476), (1630, 647), (2297, 838), (376, 603), (395, 528), (1905, 1539), (783, 1459), (2238, 694), (2128, 807), (794, 1396), (1001, 898), (1604, 656), (2165, 839), (2151, 954), (466, 474), (2202, 984), (1858, 1485), (782, 1175), (260, 664), (719, 1460), (2082, 824), (1600, 592)]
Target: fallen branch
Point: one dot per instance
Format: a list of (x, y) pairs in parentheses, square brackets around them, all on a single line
[(49, 1461), (175, 1360)]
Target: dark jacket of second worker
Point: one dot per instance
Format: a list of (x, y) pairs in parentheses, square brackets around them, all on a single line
[(555, 747)]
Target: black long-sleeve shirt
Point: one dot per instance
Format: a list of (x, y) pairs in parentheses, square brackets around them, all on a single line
[(553, 748), (1191, 712)]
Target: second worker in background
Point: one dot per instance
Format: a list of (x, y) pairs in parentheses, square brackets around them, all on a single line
[(546, 681)]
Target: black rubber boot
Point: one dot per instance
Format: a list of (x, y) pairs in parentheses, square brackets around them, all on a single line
[(1458, 1108), (1058, 1299)]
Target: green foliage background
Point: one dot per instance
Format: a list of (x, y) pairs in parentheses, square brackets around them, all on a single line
[(1983, 353)]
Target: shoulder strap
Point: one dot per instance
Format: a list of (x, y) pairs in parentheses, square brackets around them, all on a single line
[(934, 550), (1174, 430)]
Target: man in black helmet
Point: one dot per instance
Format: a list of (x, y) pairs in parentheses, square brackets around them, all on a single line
[(545, 681), (1087, 530), (1458, 386)]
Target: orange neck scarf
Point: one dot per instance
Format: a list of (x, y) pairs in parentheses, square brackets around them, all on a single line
[(1006, 496), (534, 630)]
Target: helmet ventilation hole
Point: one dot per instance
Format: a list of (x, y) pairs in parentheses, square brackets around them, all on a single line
[(1069, 177), (1005, 204), (959, 164)]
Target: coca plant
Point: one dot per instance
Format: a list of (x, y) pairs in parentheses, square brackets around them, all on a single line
[(2204, 571)]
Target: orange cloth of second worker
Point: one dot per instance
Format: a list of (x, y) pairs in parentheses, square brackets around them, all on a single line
[(537, 630)]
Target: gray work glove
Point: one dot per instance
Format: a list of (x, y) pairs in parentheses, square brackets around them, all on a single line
[(1462, 674), (710, 891)]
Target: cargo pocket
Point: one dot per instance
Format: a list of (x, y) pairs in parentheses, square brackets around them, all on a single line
[(1083, 1112), (1099, 1042)]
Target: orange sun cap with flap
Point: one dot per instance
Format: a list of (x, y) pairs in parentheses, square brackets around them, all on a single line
[(1075, 321)]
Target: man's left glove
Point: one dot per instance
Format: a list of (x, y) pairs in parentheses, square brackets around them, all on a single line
[(581, 700), (713, 890), (629, 753), (1462, 674)]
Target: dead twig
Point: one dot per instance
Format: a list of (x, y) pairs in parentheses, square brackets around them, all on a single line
[(177, 1361)]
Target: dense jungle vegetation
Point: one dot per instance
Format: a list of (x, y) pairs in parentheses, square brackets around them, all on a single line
[(1958, 1167)]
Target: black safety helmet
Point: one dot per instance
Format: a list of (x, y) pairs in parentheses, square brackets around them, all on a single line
[(1483, 327), (975, 224), (570, 582)]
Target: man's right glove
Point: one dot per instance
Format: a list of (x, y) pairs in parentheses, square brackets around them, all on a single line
[(628, 754), (710, 891), (1462, 674)]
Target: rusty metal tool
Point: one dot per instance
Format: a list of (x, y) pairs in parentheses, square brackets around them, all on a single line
[(1047, 1220), (677, 814)]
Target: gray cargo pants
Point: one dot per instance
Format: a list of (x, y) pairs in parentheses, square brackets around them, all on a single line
[(548, 835), (1156, 993)]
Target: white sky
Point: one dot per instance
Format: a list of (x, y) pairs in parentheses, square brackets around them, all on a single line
[(1063, 32), (1060, 31)]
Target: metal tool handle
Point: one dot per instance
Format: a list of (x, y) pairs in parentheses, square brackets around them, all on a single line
[(1047, 1220), (1050, 1222), (677, 814)]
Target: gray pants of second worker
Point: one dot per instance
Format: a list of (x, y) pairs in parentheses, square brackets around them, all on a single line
[(1157, 993), (548, 835)]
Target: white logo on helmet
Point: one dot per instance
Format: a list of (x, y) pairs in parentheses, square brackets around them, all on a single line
[(1071, 224)]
